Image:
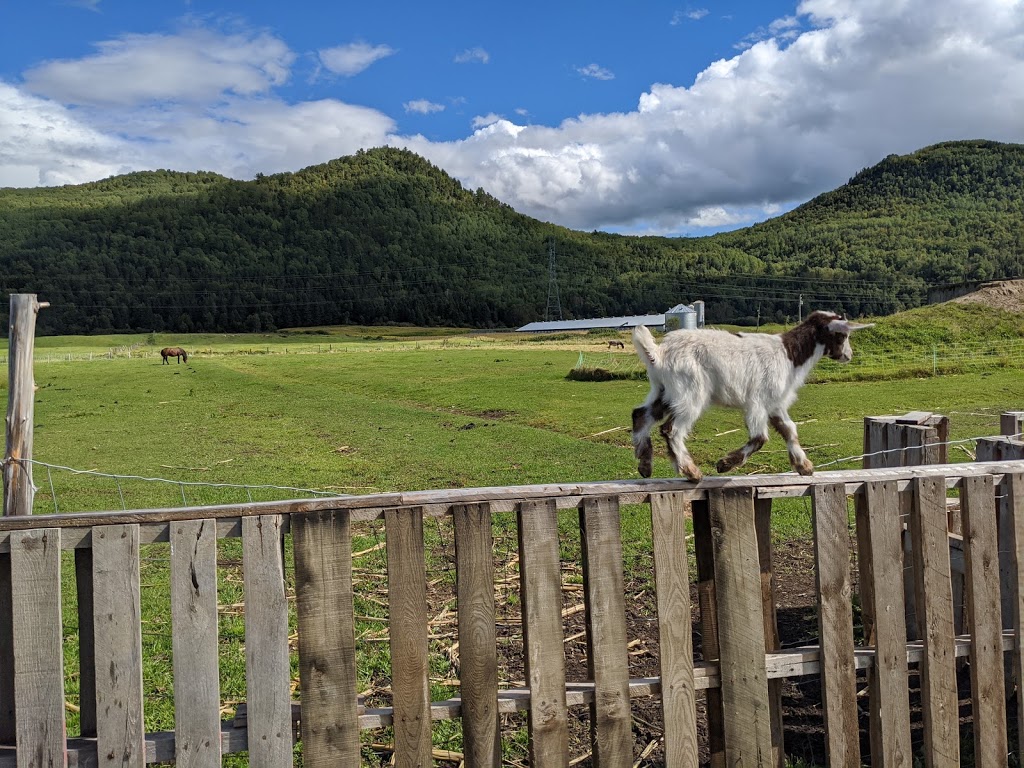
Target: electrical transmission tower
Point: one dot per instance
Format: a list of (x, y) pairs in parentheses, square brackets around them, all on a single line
[(554, 306)]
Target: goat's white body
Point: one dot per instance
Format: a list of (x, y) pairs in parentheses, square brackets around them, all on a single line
[(748, 371), (690, 370)]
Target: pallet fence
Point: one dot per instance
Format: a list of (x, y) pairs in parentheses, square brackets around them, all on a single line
[(740, 662)]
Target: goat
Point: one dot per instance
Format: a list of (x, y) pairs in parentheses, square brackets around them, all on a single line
[(757, 372)]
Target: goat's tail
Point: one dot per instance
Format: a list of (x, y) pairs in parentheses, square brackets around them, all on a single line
[(646, 347)]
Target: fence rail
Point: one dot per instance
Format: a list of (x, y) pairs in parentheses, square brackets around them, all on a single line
[(740, 666)]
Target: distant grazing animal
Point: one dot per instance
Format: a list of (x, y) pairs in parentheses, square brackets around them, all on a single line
[(757, 372), (177, 352), (618, 344)]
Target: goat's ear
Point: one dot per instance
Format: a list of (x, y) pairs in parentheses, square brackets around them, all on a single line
[(845, 326)]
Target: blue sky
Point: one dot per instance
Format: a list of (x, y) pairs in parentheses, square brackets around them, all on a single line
[(650, 117)]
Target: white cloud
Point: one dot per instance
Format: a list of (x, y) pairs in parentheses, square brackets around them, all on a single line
[(197, 66), (778, 123), (473, 56), (834, 88), (693, 14), (482, 121), (596, 72), (351, 59), (422, 106)]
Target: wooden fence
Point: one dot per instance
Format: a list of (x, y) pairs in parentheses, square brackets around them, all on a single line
[(738, 677)]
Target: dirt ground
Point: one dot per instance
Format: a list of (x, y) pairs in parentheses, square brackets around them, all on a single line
[(1007, 295)]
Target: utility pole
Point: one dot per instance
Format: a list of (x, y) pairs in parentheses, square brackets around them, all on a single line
[(800, 310), (554, 305), (758, 326)]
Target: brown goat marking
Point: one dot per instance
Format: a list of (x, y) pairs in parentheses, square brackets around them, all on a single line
[(666, 432), (799, 342), (780, 426)]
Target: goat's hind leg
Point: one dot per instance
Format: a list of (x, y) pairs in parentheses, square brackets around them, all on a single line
[(675, 431), (644, 418), (757, 427)]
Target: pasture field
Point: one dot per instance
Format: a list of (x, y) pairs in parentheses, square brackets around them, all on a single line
[(367, 411)]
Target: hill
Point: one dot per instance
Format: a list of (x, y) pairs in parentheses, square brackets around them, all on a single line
[(383, 236)]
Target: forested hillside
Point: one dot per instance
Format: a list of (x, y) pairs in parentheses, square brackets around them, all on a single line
[(385, 237)]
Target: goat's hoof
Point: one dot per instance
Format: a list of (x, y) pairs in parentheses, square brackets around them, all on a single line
[(723, 466), (645, 469), (692, 472), (806, 468)]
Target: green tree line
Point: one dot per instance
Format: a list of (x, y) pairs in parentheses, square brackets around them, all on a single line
[(383, 236)]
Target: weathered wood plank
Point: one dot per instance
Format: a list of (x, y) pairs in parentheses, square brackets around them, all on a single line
[(1013, 487), (7, 729), (888, 680), (772, 641), (327, 639), (747, 717), (987, 691), (607, 659), (541, 590), (267, 667), (478, 673), (117, 618), (86, 642), (935, 600), (835, 625), (675, 639), (704, 554), (407, 605), (38, 651), (194, 643)]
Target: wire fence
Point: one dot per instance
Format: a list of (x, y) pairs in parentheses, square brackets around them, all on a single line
[(919, 360)]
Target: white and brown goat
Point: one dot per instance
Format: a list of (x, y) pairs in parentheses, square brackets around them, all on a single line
[(757, 372)]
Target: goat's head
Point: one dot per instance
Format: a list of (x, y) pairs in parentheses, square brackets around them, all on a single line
[(833, 332)]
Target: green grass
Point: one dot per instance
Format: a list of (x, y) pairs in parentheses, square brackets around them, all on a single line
[(362, 412)]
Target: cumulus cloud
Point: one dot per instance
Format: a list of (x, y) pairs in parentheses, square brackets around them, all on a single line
[(422, 106), (195, 66), (473, 56), (830, 90), (351, 59), (776, 124), (596, 72)]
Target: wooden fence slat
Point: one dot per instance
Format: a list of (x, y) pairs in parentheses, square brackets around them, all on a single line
[(7, 729), (675, 638), (772, 641), (195, 643), (478, 671), (117, 619), (939, 697), (607, 657), (747, 716), (407, 606), (86, 642), (835, 625), (38, 648), (704, 554), (1013, 488), (541, 590), (267, 667), (327, 639), (888, 679), (983, 607)]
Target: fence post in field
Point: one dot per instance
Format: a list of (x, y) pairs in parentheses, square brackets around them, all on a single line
[(1011, 424), (18, 488)]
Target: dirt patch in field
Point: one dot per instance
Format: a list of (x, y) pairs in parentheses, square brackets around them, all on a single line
[(1007, 295)]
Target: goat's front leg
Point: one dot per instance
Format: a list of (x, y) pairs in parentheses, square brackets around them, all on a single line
[(787, 429), (757, 427)]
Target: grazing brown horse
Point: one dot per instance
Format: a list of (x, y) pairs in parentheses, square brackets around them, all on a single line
[(177, 352)]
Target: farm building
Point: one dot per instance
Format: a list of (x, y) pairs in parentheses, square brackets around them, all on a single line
[(686, 315)]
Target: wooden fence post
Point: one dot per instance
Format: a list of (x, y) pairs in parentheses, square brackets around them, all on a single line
[(18, 488)]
